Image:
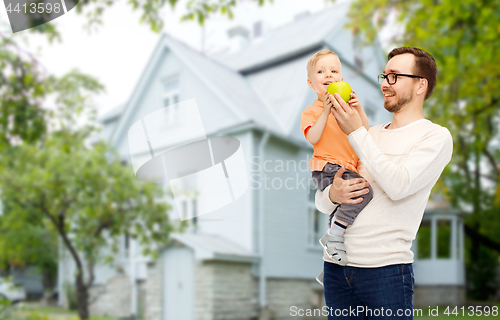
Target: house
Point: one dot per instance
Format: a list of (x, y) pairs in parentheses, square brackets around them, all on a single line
[(439, 265), (259, 255)]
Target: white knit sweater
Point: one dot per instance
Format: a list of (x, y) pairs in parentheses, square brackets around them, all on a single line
[(402, 166)]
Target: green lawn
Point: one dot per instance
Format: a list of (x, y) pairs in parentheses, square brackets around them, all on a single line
[(49, 313)]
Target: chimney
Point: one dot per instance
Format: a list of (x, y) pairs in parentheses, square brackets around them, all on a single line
[(239, 37), (261, 29)]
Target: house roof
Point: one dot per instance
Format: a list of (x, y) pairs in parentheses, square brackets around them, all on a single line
[(112, 114), (291, 40), (213, 247), (439, 206), (232, 89)]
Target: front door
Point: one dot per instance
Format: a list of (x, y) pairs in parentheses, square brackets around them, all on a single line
[(178, 284)]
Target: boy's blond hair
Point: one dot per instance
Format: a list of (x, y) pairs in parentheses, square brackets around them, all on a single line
[(318, 55)]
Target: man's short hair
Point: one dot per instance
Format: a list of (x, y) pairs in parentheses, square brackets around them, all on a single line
[(315, 57), (425, 66)]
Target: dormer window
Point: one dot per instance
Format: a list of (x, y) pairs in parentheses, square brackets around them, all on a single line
[(359, 62), (171, 93)]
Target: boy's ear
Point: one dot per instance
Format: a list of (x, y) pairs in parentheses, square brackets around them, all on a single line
[(309, 83)]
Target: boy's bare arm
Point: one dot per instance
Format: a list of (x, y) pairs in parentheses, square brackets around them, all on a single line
[(354, 102), (316, 130)]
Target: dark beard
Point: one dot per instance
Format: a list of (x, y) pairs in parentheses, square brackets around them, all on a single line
[(400, 103)]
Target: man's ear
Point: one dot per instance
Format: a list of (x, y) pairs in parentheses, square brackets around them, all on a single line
[(310, 84), (422, 87)]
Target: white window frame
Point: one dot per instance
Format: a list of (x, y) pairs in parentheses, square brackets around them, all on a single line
[(314, 235), (189, 205), (171, 92)]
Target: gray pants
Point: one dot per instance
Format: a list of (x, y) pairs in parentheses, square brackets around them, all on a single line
[(343, 212)]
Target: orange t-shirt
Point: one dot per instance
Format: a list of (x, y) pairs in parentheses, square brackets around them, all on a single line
[(333, 145)]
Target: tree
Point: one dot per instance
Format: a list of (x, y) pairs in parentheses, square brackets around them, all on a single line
[(86, 196), (83, 195), (464, 39), (22, 117), (24, 244)]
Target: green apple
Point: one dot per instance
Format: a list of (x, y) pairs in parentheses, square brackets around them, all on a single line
[(342, 88)]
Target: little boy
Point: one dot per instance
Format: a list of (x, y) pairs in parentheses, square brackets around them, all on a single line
[(331, 148)]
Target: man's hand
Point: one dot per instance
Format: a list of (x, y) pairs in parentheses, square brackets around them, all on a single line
[(343, 191), (348, 118)]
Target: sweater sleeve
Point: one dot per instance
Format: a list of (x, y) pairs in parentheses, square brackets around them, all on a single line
[(323, 202), (423, 163)]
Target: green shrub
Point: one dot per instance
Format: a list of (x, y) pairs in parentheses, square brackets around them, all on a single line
[(35, 316), (70, 291), (5, 310)]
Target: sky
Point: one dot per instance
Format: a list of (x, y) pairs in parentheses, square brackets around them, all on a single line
[(118, 51)]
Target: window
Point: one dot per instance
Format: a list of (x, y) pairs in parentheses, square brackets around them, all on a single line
[(194, 209), (437, 239), (126, 244), (189, 210), (444, 239), (318, 222), (424, 240), (358, 54), (171, 93)]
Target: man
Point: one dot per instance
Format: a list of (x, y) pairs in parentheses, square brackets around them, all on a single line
[(402, 160)]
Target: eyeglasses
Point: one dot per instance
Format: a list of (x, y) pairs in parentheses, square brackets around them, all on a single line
[(393, 77)]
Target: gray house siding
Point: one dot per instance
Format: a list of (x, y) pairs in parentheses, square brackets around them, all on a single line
[(287, 251), (234, 221)]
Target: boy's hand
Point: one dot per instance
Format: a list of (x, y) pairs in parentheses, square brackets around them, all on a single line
[(327, 104), (356, 105), (354, 101), (348, 118)]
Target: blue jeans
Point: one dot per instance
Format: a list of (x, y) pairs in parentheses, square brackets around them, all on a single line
[(369, 293)]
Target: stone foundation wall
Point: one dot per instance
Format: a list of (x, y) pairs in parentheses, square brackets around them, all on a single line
[(113, 298), (154, 291), (141, 299), (425, 296), (282, 294), (225, 291)]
